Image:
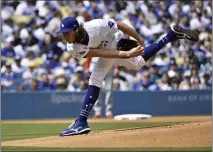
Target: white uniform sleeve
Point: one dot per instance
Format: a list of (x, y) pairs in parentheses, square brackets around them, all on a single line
[(78, 51), (109, 27)]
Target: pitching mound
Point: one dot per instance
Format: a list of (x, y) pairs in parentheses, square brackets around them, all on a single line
[(185, 135)]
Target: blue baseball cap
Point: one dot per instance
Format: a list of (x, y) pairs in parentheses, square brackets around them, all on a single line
[(68, 24)]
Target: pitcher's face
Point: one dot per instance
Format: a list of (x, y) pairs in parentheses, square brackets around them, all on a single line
[(69, 36)]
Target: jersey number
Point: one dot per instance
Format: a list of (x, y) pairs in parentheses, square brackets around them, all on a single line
[(103, 44)]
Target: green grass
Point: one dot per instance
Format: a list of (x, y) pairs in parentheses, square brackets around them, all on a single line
[(25, 131), (32, 149)]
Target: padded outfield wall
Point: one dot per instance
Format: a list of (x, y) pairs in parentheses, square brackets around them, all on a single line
[(44, 105)]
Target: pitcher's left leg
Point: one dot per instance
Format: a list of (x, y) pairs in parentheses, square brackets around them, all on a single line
[(80, 126)]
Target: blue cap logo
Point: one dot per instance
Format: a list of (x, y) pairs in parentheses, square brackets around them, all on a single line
[(68, 24)]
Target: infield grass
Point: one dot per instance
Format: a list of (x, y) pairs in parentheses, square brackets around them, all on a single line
[(25, 131)]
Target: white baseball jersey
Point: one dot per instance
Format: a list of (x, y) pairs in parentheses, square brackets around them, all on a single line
[(102, 34)]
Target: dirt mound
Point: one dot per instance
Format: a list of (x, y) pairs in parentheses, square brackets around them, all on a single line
[(185, 135)]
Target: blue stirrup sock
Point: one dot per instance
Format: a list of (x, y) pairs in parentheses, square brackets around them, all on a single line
[(152, 49), (89, 100)]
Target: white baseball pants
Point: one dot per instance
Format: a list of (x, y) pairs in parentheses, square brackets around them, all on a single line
[(103, 65)]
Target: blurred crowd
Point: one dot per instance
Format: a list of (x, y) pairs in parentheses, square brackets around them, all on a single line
[(31, 52)]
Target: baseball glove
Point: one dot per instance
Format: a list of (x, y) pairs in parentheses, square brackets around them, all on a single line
[(126, 44)]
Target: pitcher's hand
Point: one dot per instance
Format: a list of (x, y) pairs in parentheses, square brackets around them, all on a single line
[(139, 50)]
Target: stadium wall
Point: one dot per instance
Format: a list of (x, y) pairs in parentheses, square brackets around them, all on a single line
[(44, 105)]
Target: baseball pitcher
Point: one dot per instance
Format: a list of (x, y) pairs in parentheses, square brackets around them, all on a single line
[(104, 39)]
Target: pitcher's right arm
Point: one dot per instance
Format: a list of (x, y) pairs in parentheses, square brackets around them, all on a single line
[(109, 53)]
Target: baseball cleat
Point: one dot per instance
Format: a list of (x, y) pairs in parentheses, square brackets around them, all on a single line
[(97, 116), (182, 33), (76, 128), (110, 116)]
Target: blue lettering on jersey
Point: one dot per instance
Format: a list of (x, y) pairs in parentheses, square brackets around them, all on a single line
[(82, 52), (110, 24)]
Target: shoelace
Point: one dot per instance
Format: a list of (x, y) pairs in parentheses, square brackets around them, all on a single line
[(71, 125)]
